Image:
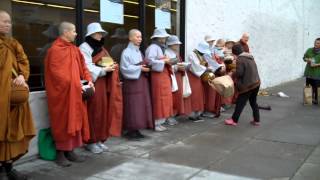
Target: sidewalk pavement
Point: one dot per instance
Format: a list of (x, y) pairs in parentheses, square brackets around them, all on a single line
[(285, 146)]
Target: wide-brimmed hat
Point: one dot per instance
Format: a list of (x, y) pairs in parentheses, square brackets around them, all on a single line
[(172, 40), (52, 32), (120, 33), (204, 48), (208, 38), (230, 41), (94, 28), (160, 33)]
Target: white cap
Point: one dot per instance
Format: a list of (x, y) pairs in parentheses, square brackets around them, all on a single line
[(94, 28), (203, 47), (208, 38), (172, 40), (160, 33)]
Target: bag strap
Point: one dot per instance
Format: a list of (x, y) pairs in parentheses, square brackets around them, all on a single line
[(14, 72)]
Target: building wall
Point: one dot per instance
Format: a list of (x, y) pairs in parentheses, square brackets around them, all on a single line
[(280, 31), (39, 108)]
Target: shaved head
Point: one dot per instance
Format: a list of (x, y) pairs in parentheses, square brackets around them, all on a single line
[(65, 27), (135, 37), (245, 37), (4, 12), (5, 22), (67, 31), (133, 32)]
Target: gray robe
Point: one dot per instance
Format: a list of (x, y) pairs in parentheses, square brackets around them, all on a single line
[(136, 92)]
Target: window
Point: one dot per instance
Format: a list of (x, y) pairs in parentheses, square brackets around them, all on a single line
[(117, 38), (151, 6), (35, 25)]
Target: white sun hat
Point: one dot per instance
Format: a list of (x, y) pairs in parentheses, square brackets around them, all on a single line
[(172, 40), (160, 33), (94, 28), (203, 47), (208, 38)]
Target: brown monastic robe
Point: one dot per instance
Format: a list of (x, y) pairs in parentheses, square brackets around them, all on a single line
[(16, 123)]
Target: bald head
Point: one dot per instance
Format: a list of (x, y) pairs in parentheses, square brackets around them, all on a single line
[(135, 37), (65, 27), (245, 37), (133, 32), (5, 22), (67, 31)]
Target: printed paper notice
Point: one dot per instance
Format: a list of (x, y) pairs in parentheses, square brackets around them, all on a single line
[(111, 11)]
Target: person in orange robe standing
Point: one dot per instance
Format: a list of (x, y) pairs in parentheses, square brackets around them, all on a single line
[(64, 69), (230, 62), (108, 94), (181, 104), (160, 79), (218, 56), (197, 68), (16, 123)]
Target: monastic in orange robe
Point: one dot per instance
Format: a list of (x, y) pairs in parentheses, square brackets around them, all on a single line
[(64, 68), (161, 90)]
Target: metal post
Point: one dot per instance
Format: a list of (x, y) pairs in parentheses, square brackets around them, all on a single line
[(79, 21), (142, 23), (182, 26)]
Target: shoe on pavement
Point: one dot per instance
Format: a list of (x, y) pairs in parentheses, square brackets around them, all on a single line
[(15, 175), (230, 122), (160, 128), (172, 121), (196, 119), (94, 148), (208, 115), (102, 146), (73, 157), (255, 123)]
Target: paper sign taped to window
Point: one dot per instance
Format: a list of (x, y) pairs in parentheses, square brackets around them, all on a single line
[(111, 11), (162, 19)]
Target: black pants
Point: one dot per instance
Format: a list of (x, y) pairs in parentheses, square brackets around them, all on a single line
[(315, 84), (242, 101)]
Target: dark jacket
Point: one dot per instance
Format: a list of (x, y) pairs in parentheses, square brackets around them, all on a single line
[(247, 73)]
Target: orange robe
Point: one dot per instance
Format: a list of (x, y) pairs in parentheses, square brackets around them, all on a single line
[(197, 95), (64, 68), (16, 123), (181, 105), (213, 99), (161, 93), (105, 107)]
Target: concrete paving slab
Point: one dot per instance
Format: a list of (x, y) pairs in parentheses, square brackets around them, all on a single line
[(255, 166), (187, 154), (142, 169), (210, 175), (315, 156), (308, 171)]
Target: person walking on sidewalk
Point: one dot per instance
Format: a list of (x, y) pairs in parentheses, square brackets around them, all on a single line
[(248, 84)]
